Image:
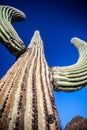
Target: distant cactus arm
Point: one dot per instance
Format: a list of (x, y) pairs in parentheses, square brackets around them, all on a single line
[(8, 36), (73, 77)]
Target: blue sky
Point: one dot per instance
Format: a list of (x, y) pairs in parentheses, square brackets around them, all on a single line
[(58, 21)]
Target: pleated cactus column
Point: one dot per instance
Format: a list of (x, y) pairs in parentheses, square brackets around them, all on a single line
[(26, 92)]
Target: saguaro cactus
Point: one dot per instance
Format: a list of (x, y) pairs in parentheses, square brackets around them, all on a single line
[(26, 91), (27, 100)]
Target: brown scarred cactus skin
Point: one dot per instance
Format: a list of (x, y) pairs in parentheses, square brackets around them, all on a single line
[(26, 92)]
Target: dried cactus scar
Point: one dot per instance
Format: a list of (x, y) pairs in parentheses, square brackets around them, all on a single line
[(8, 36)]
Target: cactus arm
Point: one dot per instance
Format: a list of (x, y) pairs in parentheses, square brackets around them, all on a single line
[(8, 36), (73, 77)]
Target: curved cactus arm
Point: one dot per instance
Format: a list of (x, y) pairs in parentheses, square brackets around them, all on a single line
[(73, 77), (8, 36)]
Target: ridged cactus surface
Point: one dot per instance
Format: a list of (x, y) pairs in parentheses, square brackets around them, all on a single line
[(26, 92)]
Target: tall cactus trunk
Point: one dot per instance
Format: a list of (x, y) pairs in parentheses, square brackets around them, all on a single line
[(26, 92)]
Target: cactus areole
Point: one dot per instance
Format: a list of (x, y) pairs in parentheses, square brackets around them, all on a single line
[(26, 91)]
